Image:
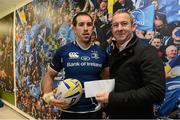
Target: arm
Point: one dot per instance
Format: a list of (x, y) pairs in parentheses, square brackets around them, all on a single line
[(103, 96), (86, 6), (48, 92), (52, 70), (48, 80), (130, 6), (114, 8), (105, 73)]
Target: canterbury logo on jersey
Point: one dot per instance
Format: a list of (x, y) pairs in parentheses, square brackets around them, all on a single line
[(73, 55)]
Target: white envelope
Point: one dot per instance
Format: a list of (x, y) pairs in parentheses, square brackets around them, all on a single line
[(91, 88)]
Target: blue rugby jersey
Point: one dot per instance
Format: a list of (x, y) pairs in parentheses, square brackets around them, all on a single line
[(81, 64)]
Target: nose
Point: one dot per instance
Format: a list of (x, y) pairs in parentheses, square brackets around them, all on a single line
[(119, 27), (85, 27)]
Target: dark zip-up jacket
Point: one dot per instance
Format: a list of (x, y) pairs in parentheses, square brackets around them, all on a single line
[(139, 81)]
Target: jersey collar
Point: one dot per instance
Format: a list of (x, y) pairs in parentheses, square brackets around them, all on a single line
[(77, 44)]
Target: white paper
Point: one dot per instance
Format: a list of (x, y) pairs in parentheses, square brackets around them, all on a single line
[(93, 87)]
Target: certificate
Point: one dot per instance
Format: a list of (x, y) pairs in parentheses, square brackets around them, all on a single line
[(91, 88)]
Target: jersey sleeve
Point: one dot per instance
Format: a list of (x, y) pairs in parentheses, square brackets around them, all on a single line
[(56, 63), (106, 63)]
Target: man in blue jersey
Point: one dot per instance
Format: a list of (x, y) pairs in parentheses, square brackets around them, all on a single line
[(81, 60)]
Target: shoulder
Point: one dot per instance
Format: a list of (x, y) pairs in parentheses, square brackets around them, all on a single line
[(147, 55), (138, 46), (98, 48), (145, 50), (64, 49), (141, 46)]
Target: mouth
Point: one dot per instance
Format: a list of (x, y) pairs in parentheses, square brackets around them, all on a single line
[(121, 35), (86, 35)]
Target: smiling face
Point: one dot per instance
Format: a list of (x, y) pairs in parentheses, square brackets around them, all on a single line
[(122, 27), (83, 29), (171, 51), (156, 42)]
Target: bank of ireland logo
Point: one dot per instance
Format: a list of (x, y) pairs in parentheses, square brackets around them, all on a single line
[(94, 55), (138, 16), (73, 55)]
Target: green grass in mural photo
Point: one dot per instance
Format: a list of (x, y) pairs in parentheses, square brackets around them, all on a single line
[(8, 96), (6, 59)]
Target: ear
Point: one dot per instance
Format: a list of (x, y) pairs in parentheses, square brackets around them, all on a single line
[(134, 27), (74, 29)]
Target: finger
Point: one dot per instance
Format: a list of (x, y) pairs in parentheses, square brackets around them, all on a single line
[(65, 107), (60, 106), (56, 102)]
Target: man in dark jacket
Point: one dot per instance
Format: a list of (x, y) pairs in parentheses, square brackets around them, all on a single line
[(138, 73)]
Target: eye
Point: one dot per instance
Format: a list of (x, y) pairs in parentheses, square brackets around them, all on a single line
[(115, 25), (124, 23), (81, 24), (89, 24)]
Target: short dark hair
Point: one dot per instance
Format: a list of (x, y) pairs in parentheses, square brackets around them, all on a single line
[(74, 21), (126, 12)]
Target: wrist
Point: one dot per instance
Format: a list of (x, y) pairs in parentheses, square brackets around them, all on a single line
[(47, 97)]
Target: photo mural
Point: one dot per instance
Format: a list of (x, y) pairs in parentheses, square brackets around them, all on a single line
[(6, 59), (42, 26)]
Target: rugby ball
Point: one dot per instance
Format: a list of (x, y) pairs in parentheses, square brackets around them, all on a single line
[(70, 90)]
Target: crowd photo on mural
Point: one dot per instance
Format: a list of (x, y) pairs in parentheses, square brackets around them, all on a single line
[(6, 54), (43, 26)]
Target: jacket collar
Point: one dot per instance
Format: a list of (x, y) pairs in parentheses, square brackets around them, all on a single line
[(131, 43), (116, 57)]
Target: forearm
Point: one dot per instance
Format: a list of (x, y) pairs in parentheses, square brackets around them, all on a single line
[(47, 84), (105, 73)]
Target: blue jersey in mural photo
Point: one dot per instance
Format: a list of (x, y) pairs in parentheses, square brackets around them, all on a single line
[(81, 64)]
